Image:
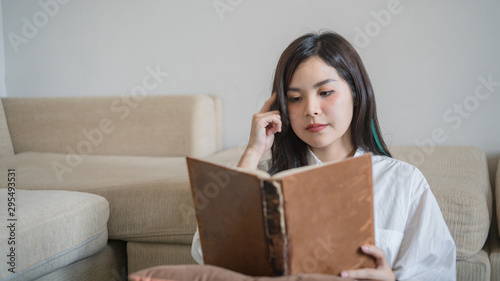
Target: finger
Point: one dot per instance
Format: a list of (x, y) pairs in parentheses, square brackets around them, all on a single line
[(269, 121), (273, 128), (269, 103), (365, 273), (382, 272), (273, 125), (377, 253), (267, 117)]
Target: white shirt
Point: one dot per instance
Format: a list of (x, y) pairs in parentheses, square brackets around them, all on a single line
[(409, 225)]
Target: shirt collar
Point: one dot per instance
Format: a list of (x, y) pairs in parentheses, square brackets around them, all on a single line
[(313, 160)]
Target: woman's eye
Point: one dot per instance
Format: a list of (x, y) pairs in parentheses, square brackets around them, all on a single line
[(294, 99), (326, 93)]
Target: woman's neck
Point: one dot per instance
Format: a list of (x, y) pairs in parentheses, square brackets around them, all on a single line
[(326, 156), (340, 150)]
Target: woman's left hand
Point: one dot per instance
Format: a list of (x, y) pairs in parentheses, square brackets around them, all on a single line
[(381, 272)]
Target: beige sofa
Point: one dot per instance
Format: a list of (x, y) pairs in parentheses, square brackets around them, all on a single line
[(132, 153), (127, 150)]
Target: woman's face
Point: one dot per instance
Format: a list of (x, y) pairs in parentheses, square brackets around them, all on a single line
[(320, 107)]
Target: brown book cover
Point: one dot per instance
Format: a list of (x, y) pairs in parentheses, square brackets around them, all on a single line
[(311, 219)]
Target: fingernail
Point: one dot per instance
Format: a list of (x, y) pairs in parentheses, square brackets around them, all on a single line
[(365, 248), (344, 274)]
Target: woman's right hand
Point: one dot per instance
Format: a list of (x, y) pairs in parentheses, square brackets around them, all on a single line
[(264, 125)]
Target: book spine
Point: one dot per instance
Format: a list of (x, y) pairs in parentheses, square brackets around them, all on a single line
[(275, 229)]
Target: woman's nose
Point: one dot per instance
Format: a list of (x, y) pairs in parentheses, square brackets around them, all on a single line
[(312, 107)]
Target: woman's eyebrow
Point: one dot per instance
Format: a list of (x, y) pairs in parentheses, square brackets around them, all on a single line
[(317, 85), (321, 83)]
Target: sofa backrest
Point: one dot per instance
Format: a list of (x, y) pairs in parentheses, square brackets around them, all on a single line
[(458, 177), (175, 125), (5, 141)]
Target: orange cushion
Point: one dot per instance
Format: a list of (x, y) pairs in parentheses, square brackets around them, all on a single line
[(213, 273)]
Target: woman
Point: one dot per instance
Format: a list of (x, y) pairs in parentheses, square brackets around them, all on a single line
[(323, 109)]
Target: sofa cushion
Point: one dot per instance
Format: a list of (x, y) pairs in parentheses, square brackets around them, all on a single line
[(476, 267), (108, 264), (142, 255), (149, 197), (458, 177), (52, 229), (183, 125), (5, 142), (213, 273)]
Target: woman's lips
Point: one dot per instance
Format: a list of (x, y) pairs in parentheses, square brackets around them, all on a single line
[(313, 128)]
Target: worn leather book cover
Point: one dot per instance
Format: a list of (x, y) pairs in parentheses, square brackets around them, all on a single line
[(310, 219)]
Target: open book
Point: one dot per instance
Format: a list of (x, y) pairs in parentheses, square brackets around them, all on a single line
[(311, 219)]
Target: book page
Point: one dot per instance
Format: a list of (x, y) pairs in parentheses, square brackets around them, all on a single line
[(257, 172), (280, 175)]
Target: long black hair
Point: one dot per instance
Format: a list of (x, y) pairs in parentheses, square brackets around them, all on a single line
[(288, 150)]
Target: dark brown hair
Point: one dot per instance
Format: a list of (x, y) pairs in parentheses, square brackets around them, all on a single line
[(288, 150)]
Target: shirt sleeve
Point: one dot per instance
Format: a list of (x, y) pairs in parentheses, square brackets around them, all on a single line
[(196, 252), (428, 251)]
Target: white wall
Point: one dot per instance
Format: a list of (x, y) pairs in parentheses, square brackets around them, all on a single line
[(426, 61)]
